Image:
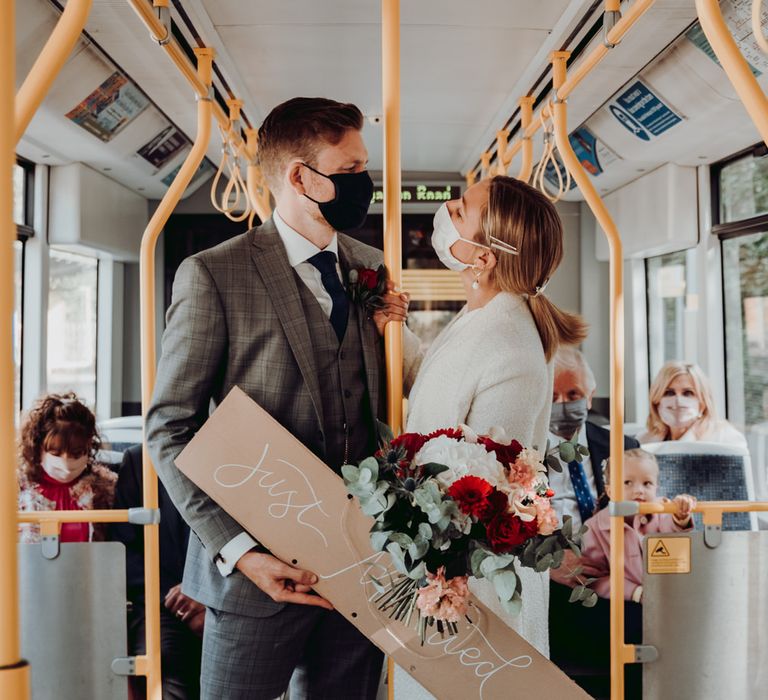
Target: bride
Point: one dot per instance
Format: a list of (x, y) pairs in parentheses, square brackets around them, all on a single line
[(491, 366)]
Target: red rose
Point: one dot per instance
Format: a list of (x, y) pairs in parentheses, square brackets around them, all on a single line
[(471, 494), (496, 505), (507, 531), (453, 433), (506, 454), (368, 278), (410, 442)]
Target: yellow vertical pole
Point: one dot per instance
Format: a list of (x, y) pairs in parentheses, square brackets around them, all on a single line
[(485, 165), (49, 62), (14, 672), (620, 653), (526, 116), (150, 663), (502, 141), (393, 251), (734, 65)]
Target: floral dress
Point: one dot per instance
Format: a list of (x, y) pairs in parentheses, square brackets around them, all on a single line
[(94, 489)]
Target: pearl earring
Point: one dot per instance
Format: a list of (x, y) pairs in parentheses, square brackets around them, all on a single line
[(476, 283)]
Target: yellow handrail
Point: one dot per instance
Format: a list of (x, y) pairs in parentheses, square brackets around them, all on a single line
[(526, 116), (72, 516), (151, 662), (734, 65), (393, 253), (157, 29), (50, 62), (584, 67), (14, 672), (620, 652)]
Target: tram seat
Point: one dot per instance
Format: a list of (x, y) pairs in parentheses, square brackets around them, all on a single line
[(710, 472), (118, 434), (111, 458), (633, 429)]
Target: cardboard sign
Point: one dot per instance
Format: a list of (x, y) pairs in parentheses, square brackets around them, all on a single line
[(297, 507)]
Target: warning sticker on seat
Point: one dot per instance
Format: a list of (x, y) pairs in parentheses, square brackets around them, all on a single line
[(669, 555)]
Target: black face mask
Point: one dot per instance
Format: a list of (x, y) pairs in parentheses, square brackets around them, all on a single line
[(349, 207), (567, 417)]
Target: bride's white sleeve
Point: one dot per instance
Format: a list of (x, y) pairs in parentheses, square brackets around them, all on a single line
[(413, 354)]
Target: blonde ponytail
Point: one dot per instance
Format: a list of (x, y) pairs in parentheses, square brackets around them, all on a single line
[(523, 217), (556, 327)]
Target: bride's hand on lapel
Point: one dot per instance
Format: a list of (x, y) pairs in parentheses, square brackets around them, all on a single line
[(396, 308)]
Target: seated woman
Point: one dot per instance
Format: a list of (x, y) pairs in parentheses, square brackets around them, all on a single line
[(682, 409), (58, 469)]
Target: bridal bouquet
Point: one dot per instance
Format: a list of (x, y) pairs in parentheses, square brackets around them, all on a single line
[(453, 504)]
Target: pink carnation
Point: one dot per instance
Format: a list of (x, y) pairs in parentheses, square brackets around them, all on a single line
[(546, 516), (443, 600), (525, 469)]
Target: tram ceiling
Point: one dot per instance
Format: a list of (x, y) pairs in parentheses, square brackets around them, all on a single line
[(463, 70)]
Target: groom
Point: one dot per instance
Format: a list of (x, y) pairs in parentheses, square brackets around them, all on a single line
[(268, 312)]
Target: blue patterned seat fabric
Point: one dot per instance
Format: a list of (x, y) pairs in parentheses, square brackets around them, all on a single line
[(709, 478)]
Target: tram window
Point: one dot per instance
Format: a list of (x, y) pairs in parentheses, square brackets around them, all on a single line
[(18, 267), (19, 194), (72, 325), (745, 280), (666, 276), (743, 188)]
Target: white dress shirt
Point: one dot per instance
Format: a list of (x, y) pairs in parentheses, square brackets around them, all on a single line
[(299, 250), (564, 500)]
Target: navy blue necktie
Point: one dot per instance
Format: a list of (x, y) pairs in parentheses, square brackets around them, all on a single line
[(325, 261), (584, 498)]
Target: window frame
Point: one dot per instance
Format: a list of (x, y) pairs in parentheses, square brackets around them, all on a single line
[(725, 232), (27, 229)]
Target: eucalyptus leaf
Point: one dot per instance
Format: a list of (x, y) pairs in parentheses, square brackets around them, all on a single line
[(418, 548), (567, 452), (505, 583), (425, 530), (513, 606), (385, 432), (476, 560), (433, 468), (379, 540), (576, 594), (567, 530), (401, 538), (554, 463), (495, 562), (418, 572), (590, 601), (544, 563), (378, 585), (350, 473)]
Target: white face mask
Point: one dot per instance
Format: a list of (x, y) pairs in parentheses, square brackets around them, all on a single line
[(679, 411), (445, 234), (63, 469)]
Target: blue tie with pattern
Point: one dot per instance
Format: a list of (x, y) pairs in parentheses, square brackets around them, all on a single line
[(584, 498), (325, 261)]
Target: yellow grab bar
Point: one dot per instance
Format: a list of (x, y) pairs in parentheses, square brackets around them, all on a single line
[(393, 251), (614, 36), (72, 516), (526, 116), (151, 662), (50, 62), (14, 672), (620, 653), (734, 65)]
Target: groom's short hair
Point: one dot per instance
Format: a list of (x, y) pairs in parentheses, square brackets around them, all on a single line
[(298, 128)]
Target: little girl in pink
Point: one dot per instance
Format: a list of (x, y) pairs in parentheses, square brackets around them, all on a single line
[(641, 480)]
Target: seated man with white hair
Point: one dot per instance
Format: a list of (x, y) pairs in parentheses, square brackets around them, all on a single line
[(577, 490), (579, 486)]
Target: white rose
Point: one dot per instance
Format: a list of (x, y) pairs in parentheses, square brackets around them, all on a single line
[(462, 458)]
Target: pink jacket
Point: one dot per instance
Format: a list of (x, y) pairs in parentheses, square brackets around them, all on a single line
[(596, 548)]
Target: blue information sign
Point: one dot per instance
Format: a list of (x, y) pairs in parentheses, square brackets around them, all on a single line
[(642, 112)]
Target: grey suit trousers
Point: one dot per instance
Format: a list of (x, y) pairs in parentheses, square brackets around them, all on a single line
[(252, 658)]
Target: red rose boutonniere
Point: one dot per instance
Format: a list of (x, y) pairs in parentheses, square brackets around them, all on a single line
[(367, 288)]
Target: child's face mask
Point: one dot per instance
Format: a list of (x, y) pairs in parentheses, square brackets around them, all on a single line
[(63, 468)]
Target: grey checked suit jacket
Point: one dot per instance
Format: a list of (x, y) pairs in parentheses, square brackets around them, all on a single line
[(236, 319)]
